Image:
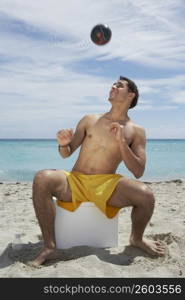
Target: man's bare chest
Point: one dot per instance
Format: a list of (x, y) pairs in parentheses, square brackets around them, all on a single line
[(99, 133)]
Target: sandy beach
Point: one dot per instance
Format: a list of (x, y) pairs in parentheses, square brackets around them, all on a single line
[(17, 216)]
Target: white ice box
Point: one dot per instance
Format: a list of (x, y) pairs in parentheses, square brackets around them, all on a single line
[(87, 225)]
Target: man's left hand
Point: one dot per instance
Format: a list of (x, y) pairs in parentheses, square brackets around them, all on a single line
[(118, 131)]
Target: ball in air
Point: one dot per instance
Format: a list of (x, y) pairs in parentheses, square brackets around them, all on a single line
[(101, 34)]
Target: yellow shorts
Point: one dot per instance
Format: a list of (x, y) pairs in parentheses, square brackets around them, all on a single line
[(94, 188)]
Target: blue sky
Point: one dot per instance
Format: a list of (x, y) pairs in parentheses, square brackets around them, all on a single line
[(51, 74)]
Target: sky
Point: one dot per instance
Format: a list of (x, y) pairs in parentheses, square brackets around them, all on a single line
[(51, 74)]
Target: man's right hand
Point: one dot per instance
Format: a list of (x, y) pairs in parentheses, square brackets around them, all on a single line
[(65, 136)]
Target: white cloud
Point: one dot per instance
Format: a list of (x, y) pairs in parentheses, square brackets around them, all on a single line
[(158, 108), (39, 78), (179, 97), (143, 31), (169, 88)]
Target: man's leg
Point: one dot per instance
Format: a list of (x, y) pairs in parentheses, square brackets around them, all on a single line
[(48, 184), (130, 192)]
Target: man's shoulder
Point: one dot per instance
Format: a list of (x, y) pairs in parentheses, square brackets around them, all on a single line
[(87, 120), (135, 126), (91, 117), (138, 129)]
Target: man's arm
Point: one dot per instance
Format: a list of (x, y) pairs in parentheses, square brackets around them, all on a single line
[(134, 157), (74, 140)]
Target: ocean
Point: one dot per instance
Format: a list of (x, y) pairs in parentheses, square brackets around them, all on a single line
[(20, 159)]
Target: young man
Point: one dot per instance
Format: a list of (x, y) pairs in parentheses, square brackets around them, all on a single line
[(106, 140)]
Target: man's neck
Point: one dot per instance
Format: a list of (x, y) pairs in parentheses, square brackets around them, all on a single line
[(117, 115)]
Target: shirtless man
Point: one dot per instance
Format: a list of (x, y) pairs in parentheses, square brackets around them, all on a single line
[(106, 140)]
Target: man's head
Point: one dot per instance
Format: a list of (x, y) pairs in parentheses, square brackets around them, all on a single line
[(124, 89)]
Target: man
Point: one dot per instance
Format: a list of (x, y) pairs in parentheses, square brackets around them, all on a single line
[(106, 140)]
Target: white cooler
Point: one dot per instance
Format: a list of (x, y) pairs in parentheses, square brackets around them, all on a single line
[(87, 225)]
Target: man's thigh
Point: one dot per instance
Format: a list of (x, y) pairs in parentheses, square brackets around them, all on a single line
[(59, 185), (129, 192)]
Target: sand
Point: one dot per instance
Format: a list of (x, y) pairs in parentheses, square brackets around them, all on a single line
[(17, 217)]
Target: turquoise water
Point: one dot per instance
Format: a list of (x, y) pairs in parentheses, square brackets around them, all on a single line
[(21, 159)]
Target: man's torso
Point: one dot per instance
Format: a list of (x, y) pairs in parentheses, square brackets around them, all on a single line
[(99, 153)]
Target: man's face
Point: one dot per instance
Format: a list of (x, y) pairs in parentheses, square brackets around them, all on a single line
[(119, 91)]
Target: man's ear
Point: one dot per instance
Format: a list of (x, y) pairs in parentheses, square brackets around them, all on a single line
[(131, 95)]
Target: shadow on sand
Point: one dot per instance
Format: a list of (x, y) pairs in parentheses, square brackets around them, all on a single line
[(26, 252)]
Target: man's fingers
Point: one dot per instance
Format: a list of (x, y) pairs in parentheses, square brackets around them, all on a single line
[(66, 135), (64, 132), (60, 132), (115, 125), (113, 129), (71, 131)]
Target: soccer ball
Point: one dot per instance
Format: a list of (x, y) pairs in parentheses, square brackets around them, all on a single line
[(101, 34)]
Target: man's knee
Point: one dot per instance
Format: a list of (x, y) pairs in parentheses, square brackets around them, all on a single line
[(148, 196), (51, 179), (42, 176)]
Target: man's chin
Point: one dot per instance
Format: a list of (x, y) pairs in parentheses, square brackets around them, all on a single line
[(110, 99)]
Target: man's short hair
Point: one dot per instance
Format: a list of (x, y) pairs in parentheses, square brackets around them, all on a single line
[(132, 87)]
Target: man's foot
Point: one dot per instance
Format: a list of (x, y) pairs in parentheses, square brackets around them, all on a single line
[(45, 254), (155, 248)]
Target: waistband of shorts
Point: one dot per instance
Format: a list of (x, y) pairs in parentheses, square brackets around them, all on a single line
[(87, 175)]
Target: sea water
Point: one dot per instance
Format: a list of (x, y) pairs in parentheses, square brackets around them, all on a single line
[(20, 159)]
